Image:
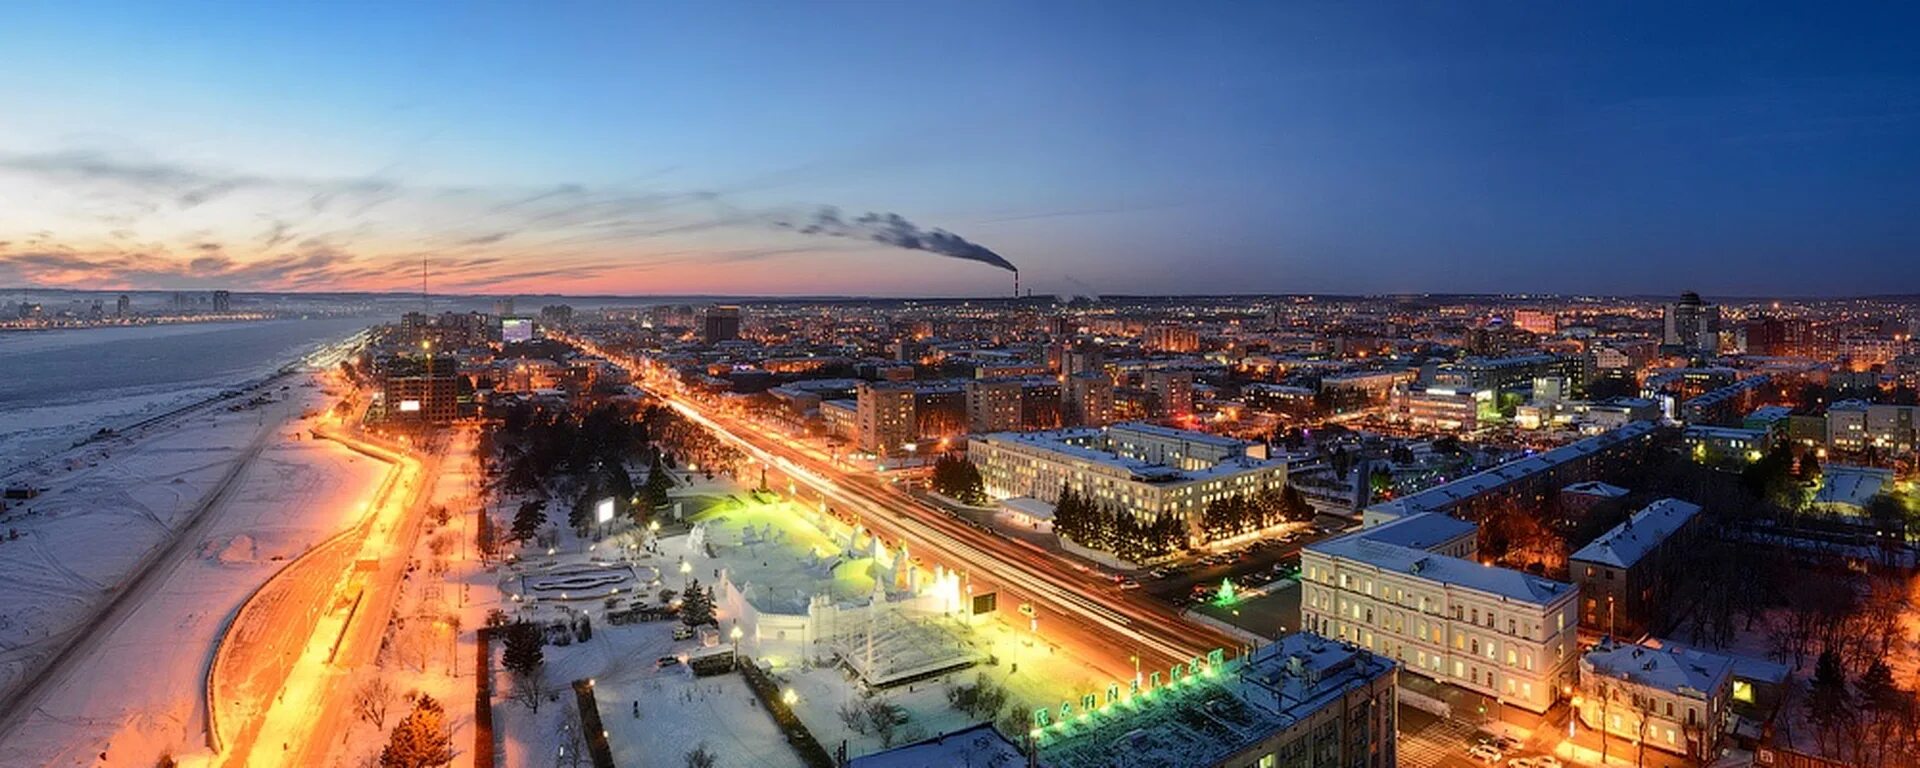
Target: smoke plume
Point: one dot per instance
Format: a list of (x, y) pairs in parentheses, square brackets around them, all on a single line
[(893, 229)]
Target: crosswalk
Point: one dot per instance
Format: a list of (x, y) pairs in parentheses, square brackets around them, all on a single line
[(1429, 746)]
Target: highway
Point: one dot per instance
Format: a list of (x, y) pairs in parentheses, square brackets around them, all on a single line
[(1100, 621)]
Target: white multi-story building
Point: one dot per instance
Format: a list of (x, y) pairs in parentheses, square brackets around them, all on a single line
[(1142, 469), (1409, 589)]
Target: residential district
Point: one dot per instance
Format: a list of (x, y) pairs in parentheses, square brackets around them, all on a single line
[(1532, 531)]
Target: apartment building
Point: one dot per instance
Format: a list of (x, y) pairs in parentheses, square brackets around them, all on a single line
[(1625, 573)]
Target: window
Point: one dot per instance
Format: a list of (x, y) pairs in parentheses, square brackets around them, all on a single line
[(1268, 761), (1669, 709)]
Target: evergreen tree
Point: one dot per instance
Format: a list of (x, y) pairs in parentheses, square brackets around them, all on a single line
[(527, 521), (1829, 706), (421, 739), (523, 657), (696, 606), (654, 492)]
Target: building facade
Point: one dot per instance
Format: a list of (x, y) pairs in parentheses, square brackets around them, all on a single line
[(1409, 590)]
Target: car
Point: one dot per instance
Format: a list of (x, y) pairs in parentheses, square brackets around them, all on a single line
[(666, 661), (1485, 753), (1129, 584), (1522, 762), (1547, 761), (1505, 743)]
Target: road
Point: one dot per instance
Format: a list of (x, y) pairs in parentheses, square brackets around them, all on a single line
[(314, 705), (1076, 608)]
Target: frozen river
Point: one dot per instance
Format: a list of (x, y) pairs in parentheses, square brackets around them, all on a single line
[(58, 386)]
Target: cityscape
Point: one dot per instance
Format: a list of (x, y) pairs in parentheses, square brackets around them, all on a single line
[(506, 386)]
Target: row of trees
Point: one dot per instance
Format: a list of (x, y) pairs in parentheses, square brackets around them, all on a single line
[(1244, 513), (959, 479), (1101, 526)]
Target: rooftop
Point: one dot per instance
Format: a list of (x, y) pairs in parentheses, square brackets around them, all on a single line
[(1629, 541), (1440, 497), (1222, 714), (1596, 488), (1380, 547), (978, 745), (1673, 668)]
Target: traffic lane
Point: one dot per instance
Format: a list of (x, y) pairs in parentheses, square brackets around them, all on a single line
[(987, 556)]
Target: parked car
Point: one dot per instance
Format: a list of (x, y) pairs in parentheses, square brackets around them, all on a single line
[(1485, 753), (666, 661), (1521, 762), (1547, 761), (1504, 743)]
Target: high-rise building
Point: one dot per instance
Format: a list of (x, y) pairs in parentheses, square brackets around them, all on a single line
[(1089, 399), (884, 418), (1175, 389), (1171, 337), (503, 306), (1692, 326), (993, 405), (721, 323), (123, 306), (222, 301)]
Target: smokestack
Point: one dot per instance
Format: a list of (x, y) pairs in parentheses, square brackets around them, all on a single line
[(1016, 283)]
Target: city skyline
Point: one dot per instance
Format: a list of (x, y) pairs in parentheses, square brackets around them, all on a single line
[(1311, 149)]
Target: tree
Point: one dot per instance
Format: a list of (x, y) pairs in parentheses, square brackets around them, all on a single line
[(959, 479), (654, 493), (524, 658), (370, 700), (1829, 705), (421, 739), (1880, 704), (528, 520), (696, 606)]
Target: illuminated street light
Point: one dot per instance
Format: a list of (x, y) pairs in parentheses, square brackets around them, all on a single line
[(791, 697)]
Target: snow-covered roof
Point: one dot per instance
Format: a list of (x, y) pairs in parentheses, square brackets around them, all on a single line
[(1629, 541), (1440, 497), (1423, 531), (978, 745), (1378, 547), (1029, 506), (1277, 687), (1678, 670), (1596, 488)]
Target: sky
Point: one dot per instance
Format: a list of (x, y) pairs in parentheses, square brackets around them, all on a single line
[(1737, 149)]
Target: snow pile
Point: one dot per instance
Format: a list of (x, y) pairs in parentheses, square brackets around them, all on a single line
[(239, 549)]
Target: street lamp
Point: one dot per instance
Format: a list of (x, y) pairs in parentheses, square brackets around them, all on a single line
[(735, 634)]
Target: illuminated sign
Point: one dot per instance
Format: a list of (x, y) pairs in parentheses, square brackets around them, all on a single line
[(603, 512), (516, 330), (1183, 672), (409, 406)]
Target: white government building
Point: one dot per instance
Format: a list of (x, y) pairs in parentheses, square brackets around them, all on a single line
[(1408, 588), (1143, 469)]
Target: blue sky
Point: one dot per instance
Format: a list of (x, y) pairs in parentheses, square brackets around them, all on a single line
[(1127, 148)]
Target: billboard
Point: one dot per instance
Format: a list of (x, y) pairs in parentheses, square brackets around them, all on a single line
[(409, 406), (516, 330)]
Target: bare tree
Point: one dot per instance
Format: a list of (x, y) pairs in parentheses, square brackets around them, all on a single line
[(370, 701), (701, 758)]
